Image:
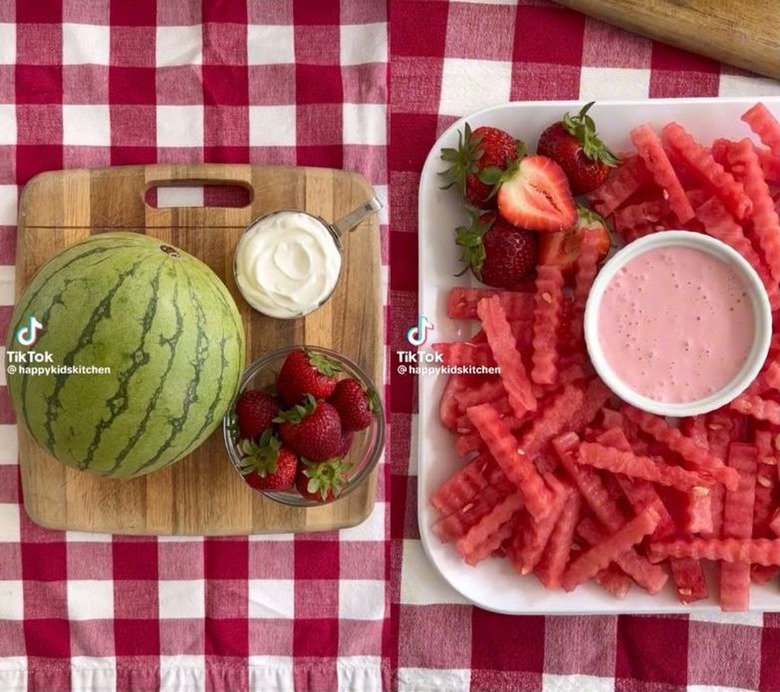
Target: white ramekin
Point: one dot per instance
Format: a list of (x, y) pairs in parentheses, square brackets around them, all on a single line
[(762, 317)]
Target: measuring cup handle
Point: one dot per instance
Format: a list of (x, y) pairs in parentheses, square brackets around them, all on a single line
[(354, 218)]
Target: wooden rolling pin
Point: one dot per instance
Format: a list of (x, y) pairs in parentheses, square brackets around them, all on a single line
[(745, 33)]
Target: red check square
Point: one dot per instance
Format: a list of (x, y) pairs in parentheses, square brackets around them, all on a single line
[(136, 560), (136, 637), (507, 643), (318, 84), (316, 13), (43, 12), (44, 561), (225, 85), (225, 558), (133, 14), (227, 637), (48, 638), (132, 85), (664, 647), (315, 637), (38, 84), (316, 559)]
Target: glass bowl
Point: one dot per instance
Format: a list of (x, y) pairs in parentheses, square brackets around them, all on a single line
[(367, 445)]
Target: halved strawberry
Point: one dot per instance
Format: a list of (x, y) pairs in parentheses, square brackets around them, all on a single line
[(563, 248), (486, 148), (534, 194), (498, 253)]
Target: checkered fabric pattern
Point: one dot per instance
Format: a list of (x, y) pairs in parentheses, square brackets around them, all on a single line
[(119, 82), (450, 58)]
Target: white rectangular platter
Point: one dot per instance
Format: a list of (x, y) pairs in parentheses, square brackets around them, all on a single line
[(493, 584)]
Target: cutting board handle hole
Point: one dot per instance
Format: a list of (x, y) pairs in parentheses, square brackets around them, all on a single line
[(186, 194)]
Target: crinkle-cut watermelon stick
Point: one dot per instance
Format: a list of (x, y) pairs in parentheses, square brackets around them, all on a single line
[(614, 581), (588, 482), (502, 343), (721, 225), (596, 396), (700, 160), (448, 405), (694, 456), (463, 353), (547, 317), (757, 407), (770, 164), (459, 488), (657, 162), (689, 580), (486, 535), (462, 303), (624, 182), (531, 536), (760, 551), (765, 125), (639, 493), (649, 577), (630, 464), (598, 557), (457, 524), (517, 466), (637, 220), (738, 523), (553, 419), (555, 557), (488, 390), (766, 477), (587, 268), (766, 224)]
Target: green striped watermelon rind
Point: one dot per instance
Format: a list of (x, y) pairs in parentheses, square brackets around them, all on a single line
[(163, 322)]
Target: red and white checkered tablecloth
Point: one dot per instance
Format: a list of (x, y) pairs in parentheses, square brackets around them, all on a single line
[(449, 58), (112, 82)]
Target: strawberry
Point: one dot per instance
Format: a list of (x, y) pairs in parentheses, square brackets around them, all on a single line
[(498, 254), (255, 412), (346, 444), (356, 406), (563, 248), (533, 194), (475, 163), (306, 372), (573, 143), (267, 465), (311, 429), (323, 481)]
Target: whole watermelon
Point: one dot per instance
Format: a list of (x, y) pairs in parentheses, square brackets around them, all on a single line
[(163, 323)]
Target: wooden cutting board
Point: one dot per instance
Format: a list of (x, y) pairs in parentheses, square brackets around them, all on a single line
[(202, 494), (745, 33)]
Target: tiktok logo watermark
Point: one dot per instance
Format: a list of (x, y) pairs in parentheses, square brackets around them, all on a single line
[(27, 336)]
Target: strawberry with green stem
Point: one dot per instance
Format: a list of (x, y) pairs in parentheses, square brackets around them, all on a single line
[(497, 253), (311, 429), (267, 464), (357, 405), (323, 481), (304, 372), (479, 157), (573, 143)]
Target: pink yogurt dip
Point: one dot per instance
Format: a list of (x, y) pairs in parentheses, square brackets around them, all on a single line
[(676, 324)]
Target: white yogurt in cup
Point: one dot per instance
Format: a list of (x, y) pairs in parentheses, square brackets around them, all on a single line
[(287, 263)]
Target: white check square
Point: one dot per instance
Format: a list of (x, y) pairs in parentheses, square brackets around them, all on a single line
[(363, 43), (272, 126), (8, 208), (179, 126), (86, 44), (270, 44), (361, 599), (90, 599), (7, 44), (86, 126), (183, 673), (185, 598), (11, 600), (9, 523), (179, 45), (271, 598), (7, 124), (365, 123), (602, 83), (90, 673), (470, 85)]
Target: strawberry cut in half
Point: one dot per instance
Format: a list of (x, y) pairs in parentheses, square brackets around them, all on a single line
[(574, 145), (487, 151), (498, 253), (534, 194), (322, 481), (311, 429), (266, 464), (562, 249), (304, 372)]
